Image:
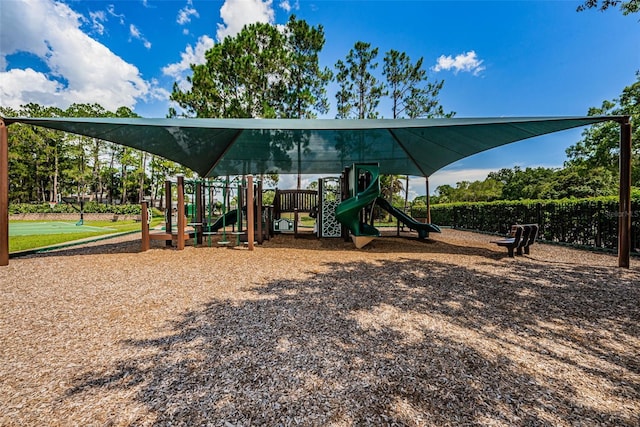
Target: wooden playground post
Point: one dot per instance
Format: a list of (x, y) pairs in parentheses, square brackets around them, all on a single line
[(199, 201), (168, 209), (144, 212), (250, 219), (624, 210), (4, 194), (181, 217), (259, 211)]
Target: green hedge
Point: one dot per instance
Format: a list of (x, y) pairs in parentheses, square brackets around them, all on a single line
[(584, 222), (89, 207)]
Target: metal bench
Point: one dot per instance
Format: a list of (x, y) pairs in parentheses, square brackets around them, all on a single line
[(533, 235), (520, 238)]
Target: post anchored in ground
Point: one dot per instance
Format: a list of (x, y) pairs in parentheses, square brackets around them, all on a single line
[(4, 194), (624, 219)]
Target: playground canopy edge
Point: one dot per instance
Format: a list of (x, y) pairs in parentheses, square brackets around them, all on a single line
[(219, 147)]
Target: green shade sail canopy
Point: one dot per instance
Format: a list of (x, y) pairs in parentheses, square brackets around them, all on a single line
[(217, 147)]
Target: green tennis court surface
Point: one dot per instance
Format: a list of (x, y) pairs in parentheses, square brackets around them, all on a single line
[(34, 228)]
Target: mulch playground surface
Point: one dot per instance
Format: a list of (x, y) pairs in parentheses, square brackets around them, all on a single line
[(449, 331)]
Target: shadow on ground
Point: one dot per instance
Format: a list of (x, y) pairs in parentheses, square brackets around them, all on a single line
[(408, 243), (396, 343)]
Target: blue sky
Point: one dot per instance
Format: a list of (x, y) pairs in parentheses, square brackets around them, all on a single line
[(503, 58)]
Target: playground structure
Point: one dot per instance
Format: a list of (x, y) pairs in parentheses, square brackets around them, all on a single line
[(196, 220), (361, 189), (320, 205), (420, 147), (342, 207), (201, 210), (292, 201), (361, 192), (329, 197)]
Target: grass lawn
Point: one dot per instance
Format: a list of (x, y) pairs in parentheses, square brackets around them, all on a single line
[(26, 242), (38, 240)]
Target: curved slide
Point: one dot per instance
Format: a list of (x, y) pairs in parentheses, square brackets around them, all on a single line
[(422, 228), (348, 212), (229, 218)]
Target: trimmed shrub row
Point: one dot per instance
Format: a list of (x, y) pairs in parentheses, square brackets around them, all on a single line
[(584, 222), (89, 207)]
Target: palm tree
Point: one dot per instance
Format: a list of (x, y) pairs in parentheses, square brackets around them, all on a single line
[(391, 185)]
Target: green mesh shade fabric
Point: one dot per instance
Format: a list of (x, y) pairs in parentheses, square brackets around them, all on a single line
[(216, 147)]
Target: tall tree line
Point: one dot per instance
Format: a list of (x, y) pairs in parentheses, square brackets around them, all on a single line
[(262, 72), (268, 71), (46, 165), (271, 72), (265, 71), (591, 168), (403, 82)]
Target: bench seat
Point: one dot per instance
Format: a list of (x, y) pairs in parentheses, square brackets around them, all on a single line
[(522, 236)]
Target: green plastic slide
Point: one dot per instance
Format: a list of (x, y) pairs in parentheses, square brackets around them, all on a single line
[(348, 212), (230, 218), (423, 229)]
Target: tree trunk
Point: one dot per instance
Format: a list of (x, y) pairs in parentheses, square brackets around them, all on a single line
[(95, 173), (154, 185), (143, 158), (123, 199), (113, 155), (406, 194), (56, 172)]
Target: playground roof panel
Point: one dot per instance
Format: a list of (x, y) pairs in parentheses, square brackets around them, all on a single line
[(216, 147)]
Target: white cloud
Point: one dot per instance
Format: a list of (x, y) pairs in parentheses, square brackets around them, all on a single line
[(285, 5), (20, 87), (136, 34), (237, 13), (97, 21), (291, 180), (112, 11), (191, 55), (185, 14), (78, 68), (467, 62)]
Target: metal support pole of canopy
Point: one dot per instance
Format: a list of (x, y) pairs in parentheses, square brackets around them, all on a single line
[(428, 200), (624, 210), (4, 194)]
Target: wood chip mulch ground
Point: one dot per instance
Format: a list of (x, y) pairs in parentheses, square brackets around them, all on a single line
[(314, 332)]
